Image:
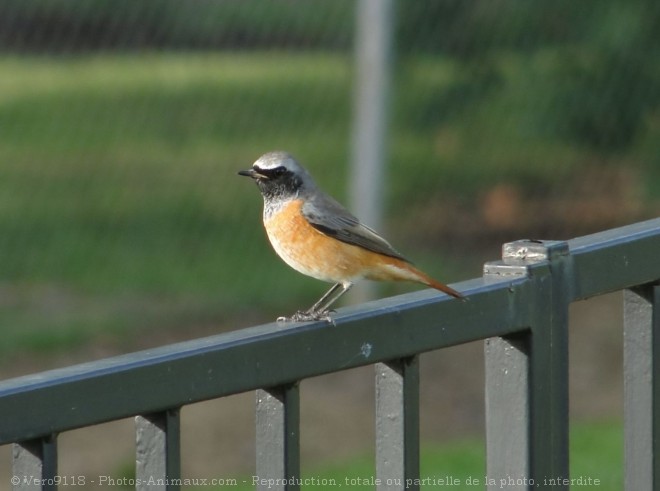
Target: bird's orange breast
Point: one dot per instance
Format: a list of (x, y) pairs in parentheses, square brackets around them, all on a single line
[(320, 256)]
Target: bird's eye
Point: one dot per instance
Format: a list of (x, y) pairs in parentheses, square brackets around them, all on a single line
[(279, 171)]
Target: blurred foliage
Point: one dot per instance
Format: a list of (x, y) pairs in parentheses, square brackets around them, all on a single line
[(602, 84), (66, 26), (603, 115), (602, 87)]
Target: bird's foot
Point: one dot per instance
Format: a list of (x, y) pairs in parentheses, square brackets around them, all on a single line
[(307, 316)]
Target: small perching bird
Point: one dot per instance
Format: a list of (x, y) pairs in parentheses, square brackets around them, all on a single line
[(318, 237)]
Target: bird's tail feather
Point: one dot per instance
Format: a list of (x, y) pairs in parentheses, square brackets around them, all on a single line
[(427, 280)]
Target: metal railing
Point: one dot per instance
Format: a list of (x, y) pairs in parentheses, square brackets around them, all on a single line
[(519, 306)]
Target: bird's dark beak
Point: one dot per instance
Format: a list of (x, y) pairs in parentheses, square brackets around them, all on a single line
[(249, 173), (252, 173)]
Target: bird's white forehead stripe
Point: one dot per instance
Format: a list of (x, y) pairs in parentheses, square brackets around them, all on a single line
[(266, 164), (269, 161)]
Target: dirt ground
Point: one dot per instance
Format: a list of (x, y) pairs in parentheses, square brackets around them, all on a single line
[(337, 410)]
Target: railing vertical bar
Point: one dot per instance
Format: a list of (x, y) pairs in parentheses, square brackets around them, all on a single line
[(541, 366), (507, 390), (397, 424), (33, 462), (549, 439), (641, 387), (549, 459), (549, 370), (507, 411), (158, 451), (278, 438)]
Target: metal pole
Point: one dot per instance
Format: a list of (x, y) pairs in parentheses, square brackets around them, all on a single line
[(373, 53)]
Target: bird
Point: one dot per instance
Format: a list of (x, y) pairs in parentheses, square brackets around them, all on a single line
[(315, 235)]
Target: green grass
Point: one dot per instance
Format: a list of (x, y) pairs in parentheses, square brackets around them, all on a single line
[(118, 185), (596, 458), (120, 207)]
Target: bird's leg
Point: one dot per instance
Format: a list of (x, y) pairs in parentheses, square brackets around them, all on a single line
[(319, 310), (323, 303)]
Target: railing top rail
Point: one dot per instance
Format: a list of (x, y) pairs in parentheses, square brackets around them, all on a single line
[(615, 259), (274, 354)]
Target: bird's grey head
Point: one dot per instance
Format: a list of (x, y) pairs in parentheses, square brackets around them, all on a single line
[(279, 176)]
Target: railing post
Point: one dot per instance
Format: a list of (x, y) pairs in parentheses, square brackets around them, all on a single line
[(527, 374), (35, 461), (397, 424), (158, 451), (278, 438), (507, 409), (641, 387)]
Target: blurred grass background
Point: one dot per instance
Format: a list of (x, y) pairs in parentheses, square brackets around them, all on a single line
[(122, 207), (123, 124)]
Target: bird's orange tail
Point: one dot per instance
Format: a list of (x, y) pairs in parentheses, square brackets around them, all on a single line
[(395, 269), (427, 280)]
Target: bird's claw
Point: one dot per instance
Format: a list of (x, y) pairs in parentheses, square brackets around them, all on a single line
[(307, 316)]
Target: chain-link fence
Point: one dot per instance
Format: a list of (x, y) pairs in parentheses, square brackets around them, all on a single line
[(123, 125)]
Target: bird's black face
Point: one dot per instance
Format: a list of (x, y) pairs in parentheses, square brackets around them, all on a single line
[(274, 182)]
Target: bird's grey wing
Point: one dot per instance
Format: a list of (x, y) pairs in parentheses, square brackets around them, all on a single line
[(331, 218)]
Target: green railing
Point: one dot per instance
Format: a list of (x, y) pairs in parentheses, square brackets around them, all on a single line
[(519, 307)]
